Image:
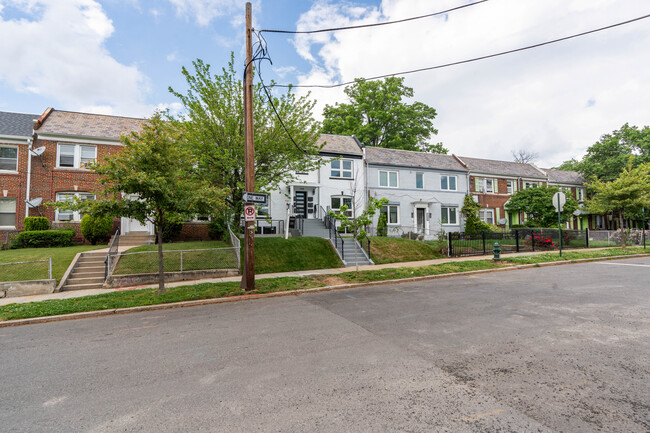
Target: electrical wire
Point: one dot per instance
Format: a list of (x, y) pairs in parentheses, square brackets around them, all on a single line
[(336, 29), (430, 68)]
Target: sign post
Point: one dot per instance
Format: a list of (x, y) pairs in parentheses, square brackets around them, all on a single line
[(559, 199), (248, 277)]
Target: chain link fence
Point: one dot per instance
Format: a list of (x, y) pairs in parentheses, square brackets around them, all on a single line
[(146, 262), (613, 238), (7, 237), (26, 271)]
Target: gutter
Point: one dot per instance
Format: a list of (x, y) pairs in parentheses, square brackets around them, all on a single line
[(30, 142)]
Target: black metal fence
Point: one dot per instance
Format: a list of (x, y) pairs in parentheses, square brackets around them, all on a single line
[(515, 241)]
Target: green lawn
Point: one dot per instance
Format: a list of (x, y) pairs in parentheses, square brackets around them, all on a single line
[(61, 259), (574, 255), (393, 250)]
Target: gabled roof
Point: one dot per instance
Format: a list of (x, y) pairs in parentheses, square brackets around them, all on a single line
[(341, 144), (87, 124), (407, 158), (504, 168), (564, 176), (16, 124)]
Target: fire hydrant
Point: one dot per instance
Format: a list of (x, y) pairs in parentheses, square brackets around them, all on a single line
[(497, 251)]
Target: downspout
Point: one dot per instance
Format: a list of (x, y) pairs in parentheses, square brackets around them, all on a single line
[(30, 141)]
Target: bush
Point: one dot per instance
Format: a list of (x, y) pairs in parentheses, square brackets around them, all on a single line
[(382, 225), (218, 229), (96, 228), (44, 239), (171, 230), (36, 223)]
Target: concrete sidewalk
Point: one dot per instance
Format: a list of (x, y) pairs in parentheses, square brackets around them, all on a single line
[(308, 273)]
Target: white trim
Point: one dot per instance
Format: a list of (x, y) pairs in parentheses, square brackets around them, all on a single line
[(387, 178), (387, 206), (14, 139), (341, 169), (416, 179), (11, 146), (76, 217), (448, 176), (76, 164), (448, 213), (81, 139)]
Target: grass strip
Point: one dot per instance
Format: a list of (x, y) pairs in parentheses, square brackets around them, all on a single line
[(142, 297)]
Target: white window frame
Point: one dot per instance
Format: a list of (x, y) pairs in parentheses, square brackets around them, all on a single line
[(446, 210), (485, 183), (341, 170), (510, 186), (77, 154), (75, 216), (388, 173), (387, 207), (483, 215), (448, 177), (580, 194), (421, 175), (342, 199), (15, 213), (530, 184), (7, 146)]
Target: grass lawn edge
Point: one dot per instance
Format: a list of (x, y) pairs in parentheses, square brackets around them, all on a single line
[(505, 266)]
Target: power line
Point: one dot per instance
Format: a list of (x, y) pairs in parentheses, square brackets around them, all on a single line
[(294, 32), (412, 71)]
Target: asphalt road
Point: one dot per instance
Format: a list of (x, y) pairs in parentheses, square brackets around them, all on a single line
[(557, 349)]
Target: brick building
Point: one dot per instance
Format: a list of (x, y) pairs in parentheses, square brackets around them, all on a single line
[(572, 184)]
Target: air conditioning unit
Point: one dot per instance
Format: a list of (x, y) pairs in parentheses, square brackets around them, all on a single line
[(65, 217)]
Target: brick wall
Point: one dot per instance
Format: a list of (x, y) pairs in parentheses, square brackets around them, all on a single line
[(12, 185), (194, 231)]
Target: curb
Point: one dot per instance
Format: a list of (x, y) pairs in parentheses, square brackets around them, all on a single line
[(183, 304)]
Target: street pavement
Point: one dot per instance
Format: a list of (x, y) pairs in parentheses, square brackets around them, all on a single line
[(552, 349)]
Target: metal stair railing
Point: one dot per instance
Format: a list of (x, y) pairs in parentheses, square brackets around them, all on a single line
[(111, 256), (335, 236)]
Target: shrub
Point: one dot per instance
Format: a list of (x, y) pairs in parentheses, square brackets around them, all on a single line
[(171, 230), (36, 223), (96, 228), (44, 239), (382, 225), (541, 241), (218, 229)]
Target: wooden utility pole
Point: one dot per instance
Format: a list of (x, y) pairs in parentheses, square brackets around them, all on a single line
[(248, 278)]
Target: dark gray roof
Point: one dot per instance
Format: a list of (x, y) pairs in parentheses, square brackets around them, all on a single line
[(505, 168), (18, 124), (343, 144), (90, 125), (564, 176), (407, 158)]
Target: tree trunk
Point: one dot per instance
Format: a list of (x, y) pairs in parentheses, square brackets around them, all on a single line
[(623, 232), (161, 269)]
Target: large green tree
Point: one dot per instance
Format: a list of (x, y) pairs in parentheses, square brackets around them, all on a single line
[(153, 178), (214, 121), (612, 153), (538, 204), (624, 196), (378, 115)]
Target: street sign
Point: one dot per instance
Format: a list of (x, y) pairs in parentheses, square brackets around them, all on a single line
[(254, 197), (559, 199), (249, 212)]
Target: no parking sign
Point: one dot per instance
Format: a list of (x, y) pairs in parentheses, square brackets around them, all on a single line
[(249, 212)]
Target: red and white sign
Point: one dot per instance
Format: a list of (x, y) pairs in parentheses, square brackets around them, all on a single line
[(249, 212)]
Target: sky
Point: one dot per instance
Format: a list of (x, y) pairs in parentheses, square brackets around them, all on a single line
[(120, 57)]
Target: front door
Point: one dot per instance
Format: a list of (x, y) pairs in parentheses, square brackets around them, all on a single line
[(300, 203), (419, 212)]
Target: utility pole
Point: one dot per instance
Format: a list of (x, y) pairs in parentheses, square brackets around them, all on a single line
[(248, 278)]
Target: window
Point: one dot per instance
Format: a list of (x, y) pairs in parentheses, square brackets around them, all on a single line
[(419, 180), (580, 193), (448, 183), (510, 186), (392, 213), (528, 185), (341, 168), (9, 158), (338, 201), (448, 215), (388, 178), (76, 155), (7, 212), (263, 209), (489, 185), (487, 215), (69, 215)]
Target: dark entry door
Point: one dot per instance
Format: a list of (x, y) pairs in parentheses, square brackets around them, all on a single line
[(420, 219), (300, 203)]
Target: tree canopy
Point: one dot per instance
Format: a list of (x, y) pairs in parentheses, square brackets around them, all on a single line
[(612, 153), (537, 203), (378, 116), (214, 124)]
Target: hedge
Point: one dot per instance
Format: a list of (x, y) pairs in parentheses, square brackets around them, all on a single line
[(44, 239), (36, 223)]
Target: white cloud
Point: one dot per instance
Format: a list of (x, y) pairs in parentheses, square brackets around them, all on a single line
[(204, 11), (539, 99), (172, 57), (58, 52)]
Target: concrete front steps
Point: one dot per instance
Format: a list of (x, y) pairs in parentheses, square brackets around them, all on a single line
[(136, 238), (315, 228), (349, 254), (88, 272)]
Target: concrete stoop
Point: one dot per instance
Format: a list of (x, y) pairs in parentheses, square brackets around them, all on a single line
[(88, 272), (136, 239)]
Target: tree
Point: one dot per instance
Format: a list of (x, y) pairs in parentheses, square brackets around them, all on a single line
[(524, 156), (153, 179), (215, 128), (357, 226), (570, 165), (473, 223), (378, 117), (628, 194), (609, 156), (537, 203)]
